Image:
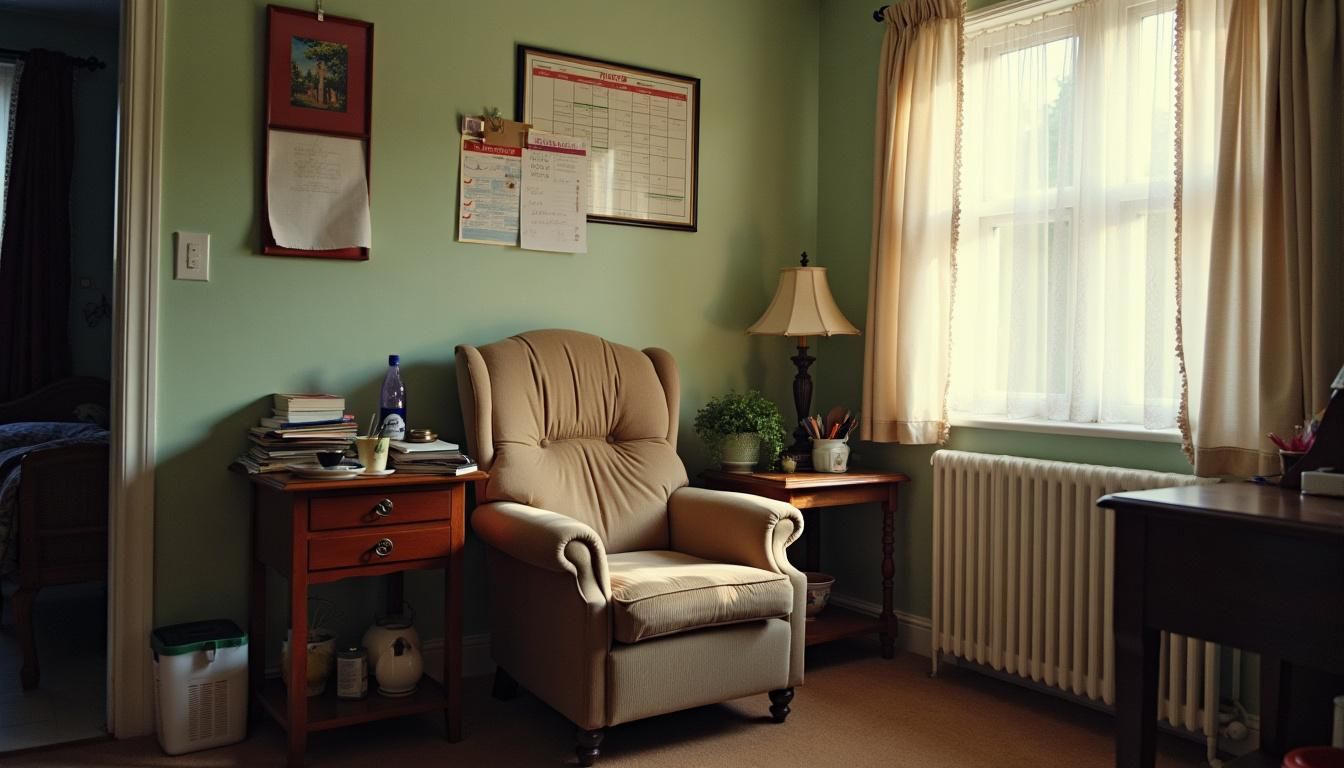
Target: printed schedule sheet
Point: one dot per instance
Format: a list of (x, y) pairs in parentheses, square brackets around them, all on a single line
[(640, 131)]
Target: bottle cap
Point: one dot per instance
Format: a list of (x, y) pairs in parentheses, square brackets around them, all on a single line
[(393, 359)]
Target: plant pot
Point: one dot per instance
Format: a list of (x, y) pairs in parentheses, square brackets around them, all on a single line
[(321, 655), (818, 592), (739, 452)]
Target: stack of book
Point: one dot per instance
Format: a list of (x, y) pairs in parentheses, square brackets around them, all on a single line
[(438, 457), (302, 425)]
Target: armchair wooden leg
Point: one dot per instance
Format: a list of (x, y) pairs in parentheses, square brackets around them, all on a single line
[(587, 743), (506, 688), (779, 703)]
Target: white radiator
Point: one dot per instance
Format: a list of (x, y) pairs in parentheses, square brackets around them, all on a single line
[(1022, 580)]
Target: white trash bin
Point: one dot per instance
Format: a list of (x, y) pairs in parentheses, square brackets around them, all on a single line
[(200, 685)]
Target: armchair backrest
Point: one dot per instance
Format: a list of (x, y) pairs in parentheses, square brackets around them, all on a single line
[(575, 424)]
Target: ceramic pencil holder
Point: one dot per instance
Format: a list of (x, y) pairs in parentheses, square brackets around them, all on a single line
[(830, 454)]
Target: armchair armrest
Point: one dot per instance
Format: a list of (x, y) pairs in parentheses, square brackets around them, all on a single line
[(733, 527), (547, 540)]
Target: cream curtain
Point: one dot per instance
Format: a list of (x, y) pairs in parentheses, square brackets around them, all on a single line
[(1274, 330), (912, 262)]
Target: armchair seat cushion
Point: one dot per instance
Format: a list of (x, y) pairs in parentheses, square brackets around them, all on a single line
[(660, 592)]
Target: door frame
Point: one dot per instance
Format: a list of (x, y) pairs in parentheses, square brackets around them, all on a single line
[(130, 603)]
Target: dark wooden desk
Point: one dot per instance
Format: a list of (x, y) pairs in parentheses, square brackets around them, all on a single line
[(1254, 567), (811, 492)]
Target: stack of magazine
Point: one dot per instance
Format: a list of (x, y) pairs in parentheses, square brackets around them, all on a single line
[(437, 457), (300, 427)]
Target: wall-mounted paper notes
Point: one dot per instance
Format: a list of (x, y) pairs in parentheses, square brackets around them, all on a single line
[(317, 191), (491, 177), (554, 212)]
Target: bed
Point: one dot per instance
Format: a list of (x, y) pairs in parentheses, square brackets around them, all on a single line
[(53, 496)]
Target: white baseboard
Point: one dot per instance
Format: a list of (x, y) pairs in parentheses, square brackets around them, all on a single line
[(476, 659), (913, 633)]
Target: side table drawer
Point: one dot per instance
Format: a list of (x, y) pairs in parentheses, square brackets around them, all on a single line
[(370, 509), (352, 550)]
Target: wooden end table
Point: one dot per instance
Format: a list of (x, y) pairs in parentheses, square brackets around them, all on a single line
[(312, 532), (813, 492)]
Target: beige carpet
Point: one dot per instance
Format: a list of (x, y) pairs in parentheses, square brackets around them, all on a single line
[(856, 710)]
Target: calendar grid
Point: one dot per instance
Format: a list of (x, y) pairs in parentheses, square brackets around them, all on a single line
[(640, 130)]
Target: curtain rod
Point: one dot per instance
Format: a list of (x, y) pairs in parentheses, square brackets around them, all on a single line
[(86, 62), (879, 13)]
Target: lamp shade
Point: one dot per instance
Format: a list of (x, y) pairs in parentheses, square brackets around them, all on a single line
[(803, 306)]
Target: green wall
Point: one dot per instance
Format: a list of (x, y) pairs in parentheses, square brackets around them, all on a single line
[(265, 324), (786, 165), (850, 43)]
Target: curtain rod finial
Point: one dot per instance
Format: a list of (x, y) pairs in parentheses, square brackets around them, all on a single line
[(880, 14)]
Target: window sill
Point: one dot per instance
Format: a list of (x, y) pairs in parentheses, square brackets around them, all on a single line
[(1076, 429)]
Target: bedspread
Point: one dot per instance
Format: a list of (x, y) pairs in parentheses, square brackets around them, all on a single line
[(18, 440)]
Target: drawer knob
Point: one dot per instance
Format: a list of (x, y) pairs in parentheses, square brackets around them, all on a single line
[(383, 548), (383, 508)]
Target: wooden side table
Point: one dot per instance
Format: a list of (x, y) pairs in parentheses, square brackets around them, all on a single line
[(813, 492), (312, 532)]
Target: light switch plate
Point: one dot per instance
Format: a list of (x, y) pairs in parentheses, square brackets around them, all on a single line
[(193, 256)]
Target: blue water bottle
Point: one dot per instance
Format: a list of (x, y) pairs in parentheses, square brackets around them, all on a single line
[(392, 403)]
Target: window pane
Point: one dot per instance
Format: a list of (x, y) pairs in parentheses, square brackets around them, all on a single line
[(1064, 304)]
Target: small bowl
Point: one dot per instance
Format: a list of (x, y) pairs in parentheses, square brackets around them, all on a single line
[(330, 458), (818, 591)]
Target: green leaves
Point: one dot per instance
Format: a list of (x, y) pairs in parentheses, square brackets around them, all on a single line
[(749, 411)]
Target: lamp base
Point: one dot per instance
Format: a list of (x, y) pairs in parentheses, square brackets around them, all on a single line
[(802, 404)]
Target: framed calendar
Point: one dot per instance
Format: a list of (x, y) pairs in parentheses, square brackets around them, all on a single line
[(642, 127)]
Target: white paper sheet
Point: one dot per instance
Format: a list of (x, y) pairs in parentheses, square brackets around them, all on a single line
[(317, 191), (554, 212), (489, 192)]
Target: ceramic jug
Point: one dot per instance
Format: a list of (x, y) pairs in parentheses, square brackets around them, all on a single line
[(378, 638), (399, 669)]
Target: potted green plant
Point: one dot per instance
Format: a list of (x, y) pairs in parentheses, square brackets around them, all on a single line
[(737, 427)]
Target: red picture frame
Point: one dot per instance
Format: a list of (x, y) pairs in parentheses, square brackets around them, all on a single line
[(319, 79)]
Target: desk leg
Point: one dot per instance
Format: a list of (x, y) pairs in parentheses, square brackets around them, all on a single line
[(452, 623), (256, 620), (887, 621), (256, 642), (296, 700), (1136, 651), (1273, 703)]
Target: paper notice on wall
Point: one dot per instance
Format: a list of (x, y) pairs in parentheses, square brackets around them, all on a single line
[(317, 191), (554, 211), (491, 177)]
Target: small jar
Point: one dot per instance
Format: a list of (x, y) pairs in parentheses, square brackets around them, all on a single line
[(352, 673), (830, 454)]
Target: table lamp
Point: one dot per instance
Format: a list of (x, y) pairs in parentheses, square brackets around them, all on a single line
[(802, 307)]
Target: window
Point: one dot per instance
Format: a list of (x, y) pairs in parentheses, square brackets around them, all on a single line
[(7, 79), (1065, 297)]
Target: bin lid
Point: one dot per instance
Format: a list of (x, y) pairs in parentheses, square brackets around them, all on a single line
[(193, 636)]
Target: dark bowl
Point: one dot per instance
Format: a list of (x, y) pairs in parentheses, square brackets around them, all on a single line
[(330, 458)]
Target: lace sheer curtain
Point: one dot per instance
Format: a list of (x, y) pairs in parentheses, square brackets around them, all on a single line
[(1065, 303)]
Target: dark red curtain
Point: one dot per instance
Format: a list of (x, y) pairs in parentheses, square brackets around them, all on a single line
[(35, 244)]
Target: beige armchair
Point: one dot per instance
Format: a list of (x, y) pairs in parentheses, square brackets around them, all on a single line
[(617, 592)]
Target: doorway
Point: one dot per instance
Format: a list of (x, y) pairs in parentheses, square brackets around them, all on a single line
[(54, 618)]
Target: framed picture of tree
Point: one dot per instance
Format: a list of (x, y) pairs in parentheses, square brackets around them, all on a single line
[(318, 72), (319, 80)]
